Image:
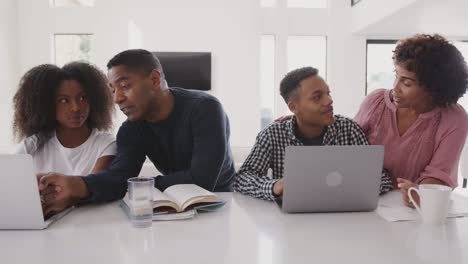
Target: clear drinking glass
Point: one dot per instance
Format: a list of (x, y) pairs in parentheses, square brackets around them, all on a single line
[(140, 195)]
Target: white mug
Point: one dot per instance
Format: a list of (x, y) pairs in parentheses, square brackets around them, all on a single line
[(434, 202)]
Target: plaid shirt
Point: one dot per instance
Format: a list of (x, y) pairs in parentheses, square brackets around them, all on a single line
[(269, 150)]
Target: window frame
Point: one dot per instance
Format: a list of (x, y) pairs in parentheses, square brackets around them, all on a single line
[(374, 41), (54, 43)]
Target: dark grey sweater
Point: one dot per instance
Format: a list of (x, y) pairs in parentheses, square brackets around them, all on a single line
[(190, 146)]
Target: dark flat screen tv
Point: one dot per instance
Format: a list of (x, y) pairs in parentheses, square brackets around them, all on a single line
[(189, 70)]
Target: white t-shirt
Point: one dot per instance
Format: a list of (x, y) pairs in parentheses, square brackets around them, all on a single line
[(54, 157)]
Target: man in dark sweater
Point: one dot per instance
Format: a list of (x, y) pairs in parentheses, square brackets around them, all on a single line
[(184, 133)]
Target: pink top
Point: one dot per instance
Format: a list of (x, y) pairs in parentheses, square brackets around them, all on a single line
[(430, 148)]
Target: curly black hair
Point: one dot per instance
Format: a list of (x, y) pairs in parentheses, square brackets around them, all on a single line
[(439, 66), (34, 102), (291, 81)]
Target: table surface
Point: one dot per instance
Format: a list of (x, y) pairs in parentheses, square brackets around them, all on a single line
[(245, 230)]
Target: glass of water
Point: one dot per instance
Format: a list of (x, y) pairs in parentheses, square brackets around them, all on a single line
[(140, 195)]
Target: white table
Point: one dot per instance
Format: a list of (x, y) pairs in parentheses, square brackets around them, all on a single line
[(246, 230)]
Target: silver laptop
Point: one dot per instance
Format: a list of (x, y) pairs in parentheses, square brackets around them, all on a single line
[(20, 202), (331, 178)]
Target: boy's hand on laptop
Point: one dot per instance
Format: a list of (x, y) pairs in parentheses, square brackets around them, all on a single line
[(404, 185), (278, 188), (60, 191)]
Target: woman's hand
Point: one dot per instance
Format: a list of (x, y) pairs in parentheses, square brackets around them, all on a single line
[(283, 118), (404, 186)]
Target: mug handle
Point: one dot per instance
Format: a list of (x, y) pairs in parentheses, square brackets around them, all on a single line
[(412, 200)]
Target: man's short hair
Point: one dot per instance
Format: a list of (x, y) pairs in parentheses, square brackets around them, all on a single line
[(292, 80), (137, 60)]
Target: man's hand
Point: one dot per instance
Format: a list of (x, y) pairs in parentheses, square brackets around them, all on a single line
[(404, 185), (39, 176), (59, 191), (56, 207), (278, 187)]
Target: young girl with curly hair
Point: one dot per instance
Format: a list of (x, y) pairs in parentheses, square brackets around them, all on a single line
[(61, 115)]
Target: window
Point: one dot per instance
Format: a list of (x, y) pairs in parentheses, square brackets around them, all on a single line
[(70, 3), (299, 51), (286, 46), (267, 79), (72, 47), (307, 3), (462, 46), (307, 51), (380, 64)]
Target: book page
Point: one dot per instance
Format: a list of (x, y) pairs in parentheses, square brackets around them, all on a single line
[(161, 199), (160, 216), (187, 194), (175, 216)]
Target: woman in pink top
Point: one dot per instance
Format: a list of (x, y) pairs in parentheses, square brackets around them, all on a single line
[(419, 121)]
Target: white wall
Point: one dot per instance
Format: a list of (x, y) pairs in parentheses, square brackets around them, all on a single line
[(228, 29), (8, 67), (429, 16), (368, 12), (346, 60)]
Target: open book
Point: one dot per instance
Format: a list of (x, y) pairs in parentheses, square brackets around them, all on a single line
[(163, 216), (181, 197)]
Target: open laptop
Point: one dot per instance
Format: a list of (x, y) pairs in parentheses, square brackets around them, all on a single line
[(20, 202), (331, 178)]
